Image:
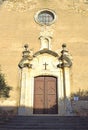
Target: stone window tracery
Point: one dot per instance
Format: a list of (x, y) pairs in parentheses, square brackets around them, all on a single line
[(45, 17)]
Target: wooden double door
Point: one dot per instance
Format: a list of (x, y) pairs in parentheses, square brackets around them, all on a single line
[(45, 95)]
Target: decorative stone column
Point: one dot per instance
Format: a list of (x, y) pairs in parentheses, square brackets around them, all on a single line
[(24, 65), (65, 64)]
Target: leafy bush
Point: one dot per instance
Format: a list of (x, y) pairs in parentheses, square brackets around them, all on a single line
[(82, 94), (4, 88)]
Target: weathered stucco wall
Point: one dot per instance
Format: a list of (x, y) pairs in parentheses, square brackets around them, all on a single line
[(17, 27)]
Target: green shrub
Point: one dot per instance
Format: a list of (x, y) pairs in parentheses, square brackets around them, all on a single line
[(4, 88), (82, 94)]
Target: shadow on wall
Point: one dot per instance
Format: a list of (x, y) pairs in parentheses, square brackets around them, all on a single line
[(10, 111), (79, 107), (50, 110)]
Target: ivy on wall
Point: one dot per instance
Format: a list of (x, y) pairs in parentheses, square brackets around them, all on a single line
[(4, 88)]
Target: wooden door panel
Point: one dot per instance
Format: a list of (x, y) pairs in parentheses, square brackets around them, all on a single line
[(45, 95), (39, 104), (39, 99), (39, 89), (51, 88), (51, 100), (39, 95), (39, 85), (52, 104), (51, 85)]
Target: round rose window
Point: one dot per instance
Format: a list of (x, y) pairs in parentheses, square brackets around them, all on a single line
[(45, 17)]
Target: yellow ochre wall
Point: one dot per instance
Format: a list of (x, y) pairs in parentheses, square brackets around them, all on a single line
[(18, 27)]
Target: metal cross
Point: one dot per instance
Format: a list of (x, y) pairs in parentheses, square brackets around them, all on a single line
[(45, 65)]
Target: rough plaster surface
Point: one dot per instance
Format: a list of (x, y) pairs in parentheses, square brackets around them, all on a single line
[(17, 27)]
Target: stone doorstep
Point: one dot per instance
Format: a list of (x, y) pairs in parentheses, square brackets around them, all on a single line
[(45, 126)]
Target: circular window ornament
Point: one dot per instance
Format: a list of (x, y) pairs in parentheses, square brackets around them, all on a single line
[(45, 17)]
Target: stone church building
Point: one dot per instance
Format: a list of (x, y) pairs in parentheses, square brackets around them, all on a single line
[(43, 54)]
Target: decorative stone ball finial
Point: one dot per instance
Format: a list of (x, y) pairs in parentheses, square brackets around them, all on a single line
[(26, 51), (64, 50), (63, 45), (26, 47)]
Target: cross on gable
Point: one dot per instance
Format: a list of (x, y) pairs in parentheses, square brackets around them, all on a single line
[(45, 65)]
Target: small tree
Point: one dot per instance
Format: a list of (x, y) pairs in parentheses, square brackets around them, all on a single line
[(4, 88)]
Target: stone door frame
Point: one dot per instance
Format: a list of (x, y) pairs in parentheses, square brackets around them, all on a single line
[(32, 67), (27, 90)]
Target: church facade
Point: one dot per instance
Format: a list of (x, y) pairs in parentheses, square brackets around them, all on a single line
[(44, 50)]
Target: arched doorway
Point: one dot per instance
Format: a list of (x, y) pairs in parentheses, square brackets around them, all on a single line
[(45, 95)]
